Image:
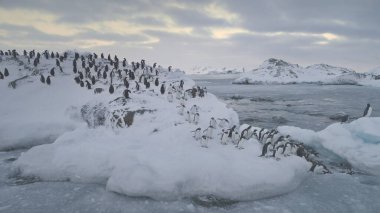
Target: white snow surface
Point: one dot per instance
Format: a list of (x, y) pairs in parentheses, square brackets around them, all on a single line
[(156, 156), (358, 141), (276, 71)]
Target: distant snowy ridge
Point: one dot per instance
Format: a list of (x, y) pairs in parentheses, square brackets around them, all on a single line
[(276, 71), (208, 70)]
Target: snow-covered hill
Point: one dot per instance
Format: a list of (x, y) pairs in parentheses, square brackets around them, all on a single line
[(275, 71), (208, 70)]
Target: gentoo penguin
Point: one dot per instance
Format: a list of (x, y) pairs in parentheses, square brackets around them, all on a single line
[(156, 82), (209, 132), (204, 141), (147, 85), (81, 84), (57, 62), (265, 149), (170, 97), (235, 137), (181, 109), (77, 80), (88, 85), (213, 122), (126, 83), (93, 80), (1, 75), (188, 116), (98, 90), (224, 138), (52, 73), (80, 75), (367, 111), (223, 123), (75, 70), (245, 133), (126, 93), (196, 118), (6, 73), (194, 109), (48, 81), (197, 134), (162, 90), (137, 86), (111, 89), (42, 79)]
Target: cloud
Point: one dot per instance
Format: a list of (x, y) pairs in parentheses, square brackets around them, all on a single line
[(201, 32)]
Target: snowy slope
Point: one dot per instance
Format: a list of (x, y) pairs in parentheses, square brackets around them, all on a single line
[(275, 71), (88, 140)]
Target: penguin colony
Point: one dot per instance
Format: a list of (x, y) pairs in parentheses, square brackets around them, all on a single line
[(92, 73)]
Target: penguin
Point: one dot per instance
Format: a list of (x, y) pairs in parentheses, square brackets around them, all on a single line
[(126, 83), (162, 90), (6, 73), (75, 70), (80, 75), (42, 79), (235, 138), (147, 85), (77, 80), (367, 111), (170, 97), (181, 109), (197, 134), (93, 80), (52, 73), (98, 90), (188, 116), (81, 84), (209, 132), (194, 109), (224, 137), (137, 86), (57, 62), (156, 82), (204, 141), (223, 123), (213, 122), (111, 89), (265, 149), (245, 133), (88, 85), (126, 93), (105, 74), (196, 118), (1, 75), (48, 81)]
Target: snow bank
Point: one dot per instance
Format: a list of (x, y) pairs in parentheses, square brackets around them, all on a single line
[(155, 156), (358, 141), (275, 71)]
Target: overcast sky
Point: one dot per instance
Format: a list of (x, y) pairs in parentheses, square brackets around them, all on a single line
[(185, 34)]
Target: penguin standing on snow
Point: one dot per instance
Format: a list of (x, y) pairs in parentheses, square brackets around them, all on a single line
[(6, 73), (197, 134), (42, 78), (88, 85), (126, 93), (209, 132), (1, 75), (204, 141), (196, 118), (48, 81), (52, 73), (137, 86), (224, 137), (126, 84), (156, 82), (188, 116), (170, 97), (181, 109), (213, 122), (162, 90), (265, 149), (367, 111)]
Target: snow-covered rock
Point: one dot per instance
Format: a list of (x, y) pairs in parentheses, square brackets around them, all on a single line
[(140, 146), (358, 141), (276, 71)]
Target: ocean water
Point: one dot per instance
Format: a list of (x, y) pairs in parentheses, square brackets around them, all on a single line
[(306, 106)]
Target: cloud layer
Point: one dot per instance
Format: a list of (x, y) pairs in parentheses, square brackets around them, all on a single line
[(239, 33)]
